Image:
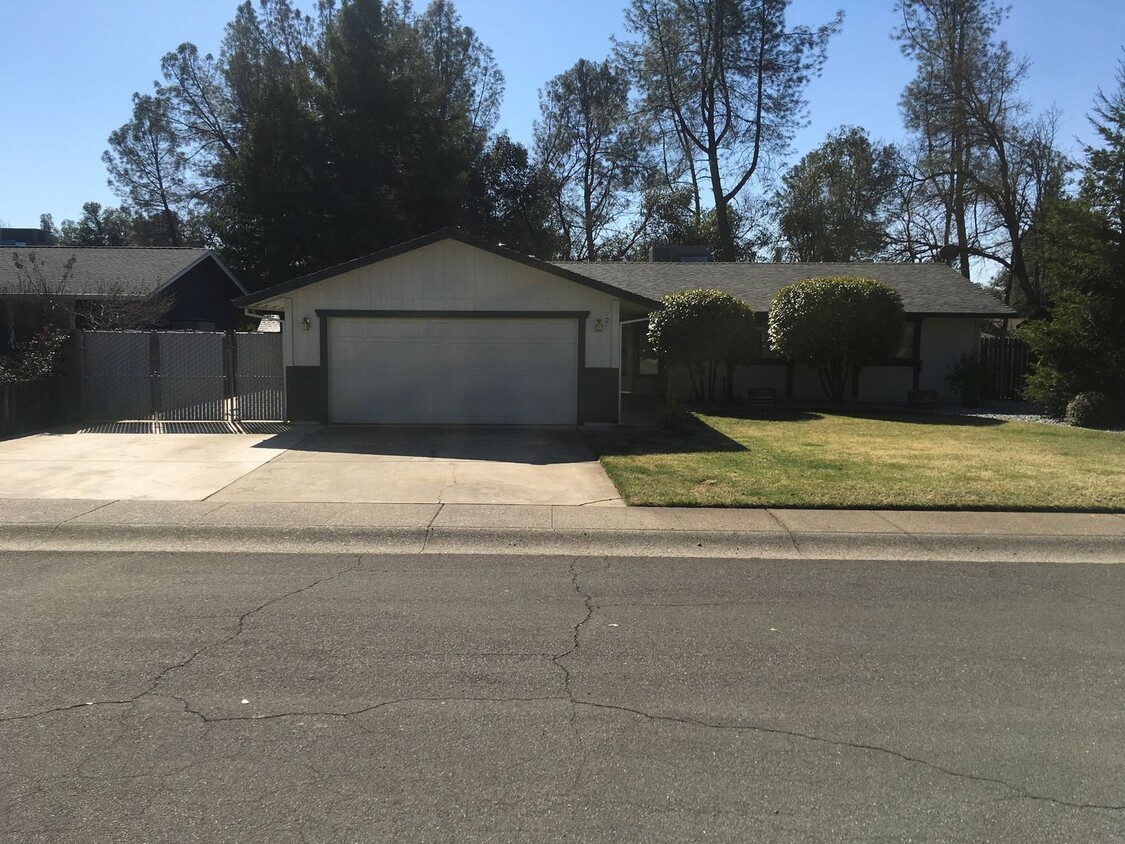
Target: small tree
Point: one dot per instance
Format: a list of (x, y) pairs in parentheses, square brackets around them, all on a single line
[(703, 330), (836, 325), (45, 312)]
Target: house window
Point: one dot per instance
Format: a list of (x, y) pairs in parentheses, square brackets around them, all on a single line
[(906, 350), (765, 350)]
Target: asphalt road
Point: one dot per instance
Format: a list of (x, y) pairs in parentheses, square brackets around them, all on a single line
[(300, 698)]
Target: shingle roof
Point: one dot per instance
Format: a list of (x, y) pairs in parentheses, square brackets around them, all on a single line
[(925, 288), (120, 271)]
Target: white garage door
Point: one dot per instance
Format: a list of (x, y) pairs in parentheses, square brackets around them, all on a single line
[(473, 371)]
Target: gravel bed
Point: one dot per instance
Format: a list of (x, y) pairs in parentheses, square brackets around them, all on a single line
[(1014, 411)]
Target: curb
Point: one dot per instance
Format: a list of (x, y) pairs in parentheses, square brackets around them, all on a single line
[(679, 544)]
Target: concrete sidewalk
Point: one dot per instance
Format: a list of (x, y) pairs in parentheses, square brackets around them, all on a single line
[(70, 525)]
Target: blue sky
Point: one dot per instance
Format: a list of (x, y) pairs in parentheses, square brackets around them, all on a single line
[(69, 68)]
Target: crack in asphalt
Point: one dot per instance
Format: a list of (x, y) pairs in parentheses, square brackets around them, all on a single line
[(154, 684), (588, 603), (352, 713), (1018, 791), (242, 619), (569, 697)]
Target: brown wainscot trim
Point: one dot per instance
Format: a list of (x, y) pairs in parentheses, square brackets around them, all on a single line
[(598, 394), (306, 394)]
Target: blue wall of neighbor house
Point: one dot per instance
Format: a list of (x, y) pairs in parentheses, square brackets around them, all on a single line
[(203, 300)]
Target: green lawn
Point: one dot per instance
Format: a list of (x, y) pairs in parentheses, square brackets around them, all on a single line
[(853, 460)]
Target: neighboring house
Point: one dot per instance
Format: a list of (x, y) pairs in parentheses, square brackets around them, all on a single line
[(195, 284), (24, 237), (450, 329)]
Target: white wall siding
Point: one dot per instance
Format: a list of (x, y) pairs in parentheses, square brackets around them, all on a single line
[(452, 276), (943, 341), (885, 383)]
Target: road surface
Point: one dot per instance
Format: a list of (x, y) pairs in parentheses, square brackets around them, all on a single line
[(283, 697)]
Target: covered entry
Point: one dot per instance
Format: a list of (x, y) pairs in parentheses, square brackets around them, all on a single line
[(471, 368)]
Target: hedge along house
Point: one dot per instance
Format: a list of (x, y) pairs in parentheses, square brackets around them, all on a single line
[(194, 286), (450, 329), (945, 314)]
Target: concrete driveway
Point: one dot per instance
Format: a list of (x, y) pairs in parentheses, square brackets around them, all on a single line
[(383, 464)]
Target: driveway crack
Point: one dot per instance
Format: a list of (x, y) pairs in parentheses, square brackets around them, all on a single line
[(452, 483)]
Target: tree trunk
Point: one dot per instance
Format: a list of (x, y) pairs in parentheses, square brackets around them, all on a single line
[(727, 250)]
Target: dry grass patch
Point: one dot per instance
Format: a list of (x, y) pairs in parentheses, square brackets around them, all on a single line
[(858, 461)]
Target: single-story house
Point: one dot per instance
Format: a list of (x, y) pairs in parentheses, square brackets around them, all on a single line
[(197, 285), (945, 314), (450, 329)]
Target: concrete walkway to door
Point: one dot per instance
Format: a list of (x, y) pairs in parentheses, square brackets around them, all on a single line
[(348, 464)]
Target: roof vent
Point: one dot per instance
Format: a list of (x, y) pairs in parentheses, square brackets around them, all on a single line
[(679, 255)]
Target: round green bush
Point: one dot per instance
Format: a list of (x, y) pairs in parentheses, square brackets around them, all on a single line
[(836, 324), (1089, 410)]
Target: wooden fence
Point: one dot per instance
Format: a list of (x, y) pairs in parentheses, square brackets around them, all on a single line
[(1007, 361), (28, 406), (35, 405)]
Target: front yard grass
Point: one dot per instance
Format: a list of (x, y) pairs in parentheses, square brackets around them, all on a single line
[(852, 460)]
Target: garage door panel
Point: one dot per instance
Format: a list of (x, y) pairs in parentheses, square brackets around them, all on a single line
[(515, 371)]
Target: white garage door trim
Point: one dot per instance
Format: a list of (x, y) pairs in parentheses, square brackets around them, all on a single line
[(423, 385)]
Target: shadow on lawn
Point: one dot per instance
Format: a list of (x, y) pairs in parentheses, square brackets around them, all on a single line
[(783, 414), (694, 437)]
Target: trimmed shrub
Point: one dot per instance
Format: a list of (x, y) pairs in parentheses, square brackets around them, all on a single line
[(704, 331), (1090, 410), (968, 378), (836, 325)]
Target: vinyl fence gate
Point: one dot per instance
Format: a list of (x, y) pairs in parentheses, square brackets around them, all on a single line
[(196, 376)]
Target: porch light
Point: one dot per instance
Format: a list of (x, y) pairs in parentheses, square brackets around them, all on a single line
[(305, 323), (599, 325)]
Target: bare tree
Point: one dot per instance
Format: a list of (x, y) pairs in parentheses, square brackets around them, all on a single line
[(594, 153), (729, 75), (147, 167), (982, 167), (42, 293)]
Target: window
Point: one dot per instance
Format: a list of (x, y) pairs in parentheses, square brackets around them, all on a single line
[(906, 350)]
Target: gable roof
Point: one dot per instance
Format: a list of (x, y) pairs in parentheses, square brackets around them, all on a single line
[(926, 289), (106, 271), (455, 234)]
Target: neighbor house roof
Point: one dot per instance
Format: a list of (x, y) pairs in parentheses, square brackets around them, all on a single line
[(444, 234), (926, 289), (102, 271)]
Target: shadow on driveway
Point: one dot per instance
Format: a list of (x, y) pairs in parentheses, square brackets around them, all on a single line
[(535, 446)]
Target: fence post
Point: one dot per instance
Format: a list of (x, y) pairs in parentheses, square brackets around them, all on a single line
[(83, 390), (154, 370), (230, 374)]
